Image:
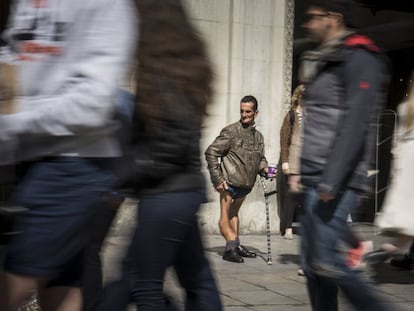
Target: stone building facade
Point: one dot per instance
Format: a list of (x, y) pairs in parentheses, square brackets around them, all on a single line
[(250, 46)]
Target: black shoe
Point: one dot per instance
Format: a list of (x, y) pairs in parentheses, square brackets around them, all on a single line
[(233, 256), (376, 256), (403, 262), (244, 252)]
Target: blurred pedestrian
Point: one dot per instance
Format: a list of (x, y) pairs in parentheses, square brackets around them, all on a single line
[(346, 78), (290, 148), (173, 91), (234, 159), (92, 281), (397, 214), (63, 61)]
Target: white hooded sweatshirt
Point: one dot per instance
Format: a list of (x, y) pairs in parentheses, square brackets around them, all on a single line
[(67, 59)]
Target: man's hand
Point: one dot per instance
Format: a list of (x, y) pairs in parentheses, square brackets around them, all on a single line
[(325, 197), (263, 172), (221, 187), (285, 168)]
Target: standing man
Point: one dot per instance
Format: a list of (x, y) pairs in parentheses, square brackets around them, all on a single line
[(234, 159), (346, 81), (61, 66)]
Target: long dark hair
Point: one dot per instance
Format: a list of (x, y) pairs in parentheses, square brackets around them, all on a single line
[(171, 63)]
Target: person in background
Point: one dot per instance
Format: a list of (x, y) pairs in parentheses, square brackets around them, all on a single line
[(234, 159), (290, 148), (173, 91), (346, 79), (397, 214), (63, 61)]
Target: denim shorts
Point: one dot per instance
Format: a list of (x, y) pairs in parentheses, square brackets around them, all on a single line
[(61, 195), (237, 192)]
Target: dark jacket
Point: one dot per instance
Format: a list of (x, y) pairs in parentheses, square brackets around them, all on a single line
[(166, 158), (236, 156), (342, 104)]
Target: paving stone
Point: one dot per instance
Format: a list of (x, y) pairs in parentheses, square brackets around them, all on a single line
[(258, 286)]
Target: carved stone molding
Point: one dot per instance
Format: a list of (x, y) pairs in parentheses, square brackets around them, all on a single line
[(288, 59)]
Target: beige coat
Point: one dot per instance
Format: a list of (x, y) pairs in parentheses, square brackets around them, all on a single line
[(291, 142)]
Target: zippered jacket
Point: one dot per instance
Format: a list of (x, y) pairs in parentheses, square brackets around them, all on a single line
[(236, 156), (342, 104), (64, 61)]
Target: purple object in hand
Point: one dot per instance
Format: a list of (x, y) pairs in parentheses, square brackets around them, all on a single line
[(271, 171)]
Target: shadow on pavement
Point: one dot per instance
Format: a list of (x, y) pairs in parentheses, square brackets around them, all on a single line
[(289, 258), (383, 273), (220, 249)]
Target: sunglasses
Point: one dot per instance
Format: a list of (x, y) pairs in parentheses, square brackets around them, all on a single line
[(312, 16)]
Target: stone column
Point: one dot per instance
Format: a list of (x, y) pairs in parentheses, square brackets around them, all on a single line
[(249, 43)]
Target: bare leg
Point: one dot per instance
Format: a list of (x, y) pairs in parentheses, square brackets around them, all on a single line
[(400, 245), (61, 299), (234, 215), (224, 221), (18, 289), (229, 220)]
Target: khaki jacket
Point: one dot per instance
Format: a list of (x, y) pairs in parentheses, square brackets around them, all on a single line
[(236, 156)]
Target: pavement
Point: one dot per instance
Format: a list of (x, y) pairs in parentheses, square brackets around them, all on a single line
[(257, 285)]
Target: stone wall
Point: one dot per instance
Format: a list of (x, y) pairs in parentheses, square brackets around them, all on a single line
[(250, 47), (249, 43)]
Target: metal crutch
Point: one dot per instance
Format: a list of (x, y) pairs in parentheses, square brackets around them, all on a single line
[(266, 195)]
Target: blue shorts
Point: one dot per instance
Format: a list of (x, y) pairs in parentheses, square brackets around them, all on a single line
[(237, 192), (61, 195)]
